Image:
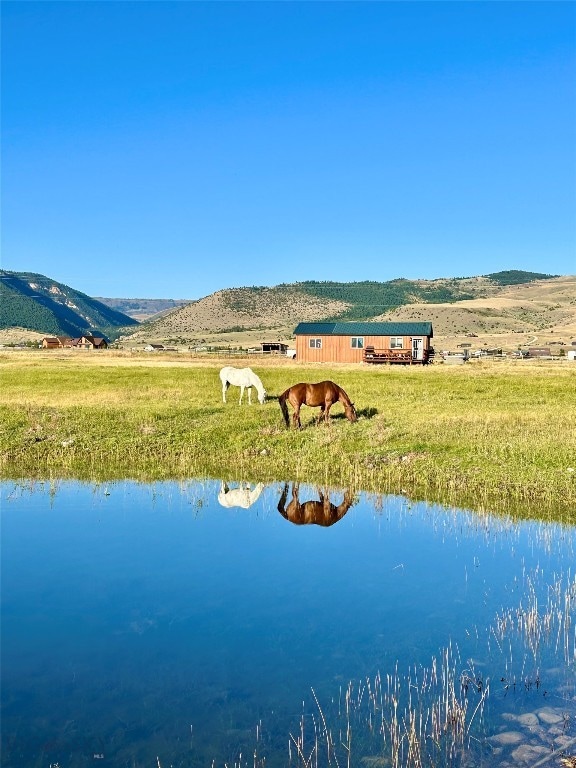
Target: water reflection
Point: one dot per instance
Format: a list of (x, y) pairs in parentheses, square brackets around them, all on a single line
[(153, 625), (243, 496), (313, 512)]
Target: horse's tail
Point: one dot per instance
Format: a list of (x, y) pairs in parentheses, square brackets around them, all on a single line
[(284, 408)]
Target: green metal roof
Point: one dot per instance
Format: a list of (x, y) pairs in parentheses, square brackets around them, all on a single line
[(364, 329)]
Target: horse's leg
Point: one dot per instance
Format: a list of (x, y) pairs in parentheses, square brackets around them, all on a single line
[(296, 417), (224, 388), (283, 500), (327, 412), (249, 395), (320, 415), (241, 393), (295, 494)]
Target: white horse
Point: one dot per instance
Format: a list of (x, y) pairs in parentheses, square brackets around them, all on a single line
[(245, 378), (239, 497)]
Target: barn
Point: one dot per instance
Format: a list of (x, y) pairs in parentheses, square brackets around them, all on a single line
[(368, 342), (273, 348)]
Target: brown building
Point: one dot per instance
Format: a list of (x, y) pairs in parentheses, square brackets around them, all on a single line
[(80, 342), (539, 352), (368, 342), (91, 342), (56, 342)]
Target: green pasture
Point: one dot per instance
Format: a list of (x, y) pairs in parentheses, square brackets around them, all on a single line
[(489, 436)]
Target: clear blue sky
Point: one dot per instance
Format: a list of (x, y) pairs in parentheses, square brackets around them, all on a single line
[(171, 149)]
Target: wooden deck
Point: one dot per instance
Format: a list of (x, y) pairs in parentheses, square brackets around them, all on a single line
[(391, 356)]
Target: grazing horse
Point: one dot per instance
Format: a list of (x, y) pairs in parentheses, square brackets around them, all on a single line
[(323, 394), (321, 512), (242, 496), (245, 378)]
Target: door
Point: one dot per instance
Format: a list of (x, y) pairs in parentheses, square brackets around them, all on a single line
[(417, 349)]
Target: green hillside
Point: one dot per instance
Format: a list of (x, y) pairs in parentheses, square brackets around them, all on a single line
[(36, 302), (517, 277), (369, 298)]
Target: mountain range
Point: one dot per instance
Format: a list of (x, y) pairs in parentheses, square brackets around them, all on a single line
[(507, 302), (38, 303)]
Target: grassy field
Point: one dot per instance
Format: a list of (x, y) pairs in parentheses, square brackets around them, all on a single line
[(489, 436)]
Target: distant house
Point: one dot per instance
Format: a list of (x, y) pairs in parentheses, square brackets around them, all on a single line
[(90, 342), (57, 342), (368, 342), (50, 342), (154, 348)]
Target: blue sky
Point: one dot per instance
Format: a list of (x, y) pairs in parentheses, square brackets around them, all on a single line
[(171, 149)]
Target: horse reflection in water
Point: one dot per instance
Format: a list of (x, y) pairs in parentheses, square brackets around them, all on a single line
[(243, 496), (322, 512)]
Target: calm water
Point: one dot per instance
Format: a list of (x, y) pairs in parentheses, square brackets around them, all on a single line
[(147, 625)]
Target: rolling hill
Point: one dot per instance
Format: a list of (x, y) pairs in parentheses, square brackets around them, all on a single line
[(37, 303), (539, 313), (511, 302)]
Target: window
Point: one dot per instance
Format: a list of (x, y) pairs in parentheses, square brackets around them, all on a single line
[(396, 342), (315, 343), (357, 342)]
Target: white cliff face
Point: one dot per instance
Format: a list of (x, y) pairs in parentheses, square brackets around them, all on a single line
[(59, 296), (54, 290)]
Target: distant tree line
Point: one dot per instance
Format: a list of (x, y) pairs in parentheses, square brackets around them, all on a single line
[(369, 298), (517, 276)]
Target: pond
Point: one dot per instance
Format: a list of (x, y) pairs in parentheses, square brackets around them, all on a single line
[(213, 624)]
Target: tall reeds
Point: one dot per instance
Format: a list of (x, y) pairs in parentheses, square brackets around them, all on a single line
[(432, 715), (408, 720)]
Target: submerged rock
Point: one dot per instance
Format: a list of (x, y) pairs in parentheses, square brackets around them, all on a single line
[(528, 720), (529, 753), (507, 738), (549, 715)]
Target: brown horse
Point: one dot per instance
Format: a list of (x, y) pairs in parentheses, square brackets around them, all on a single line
[(321, 512), (323, 394)]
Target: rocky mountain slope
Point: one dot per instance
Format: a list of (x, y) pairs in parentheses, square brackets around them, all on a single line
[(38, 303)]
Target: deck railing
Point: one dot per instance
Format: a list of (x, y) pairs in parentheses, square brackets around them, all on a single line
[(400, 356)]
